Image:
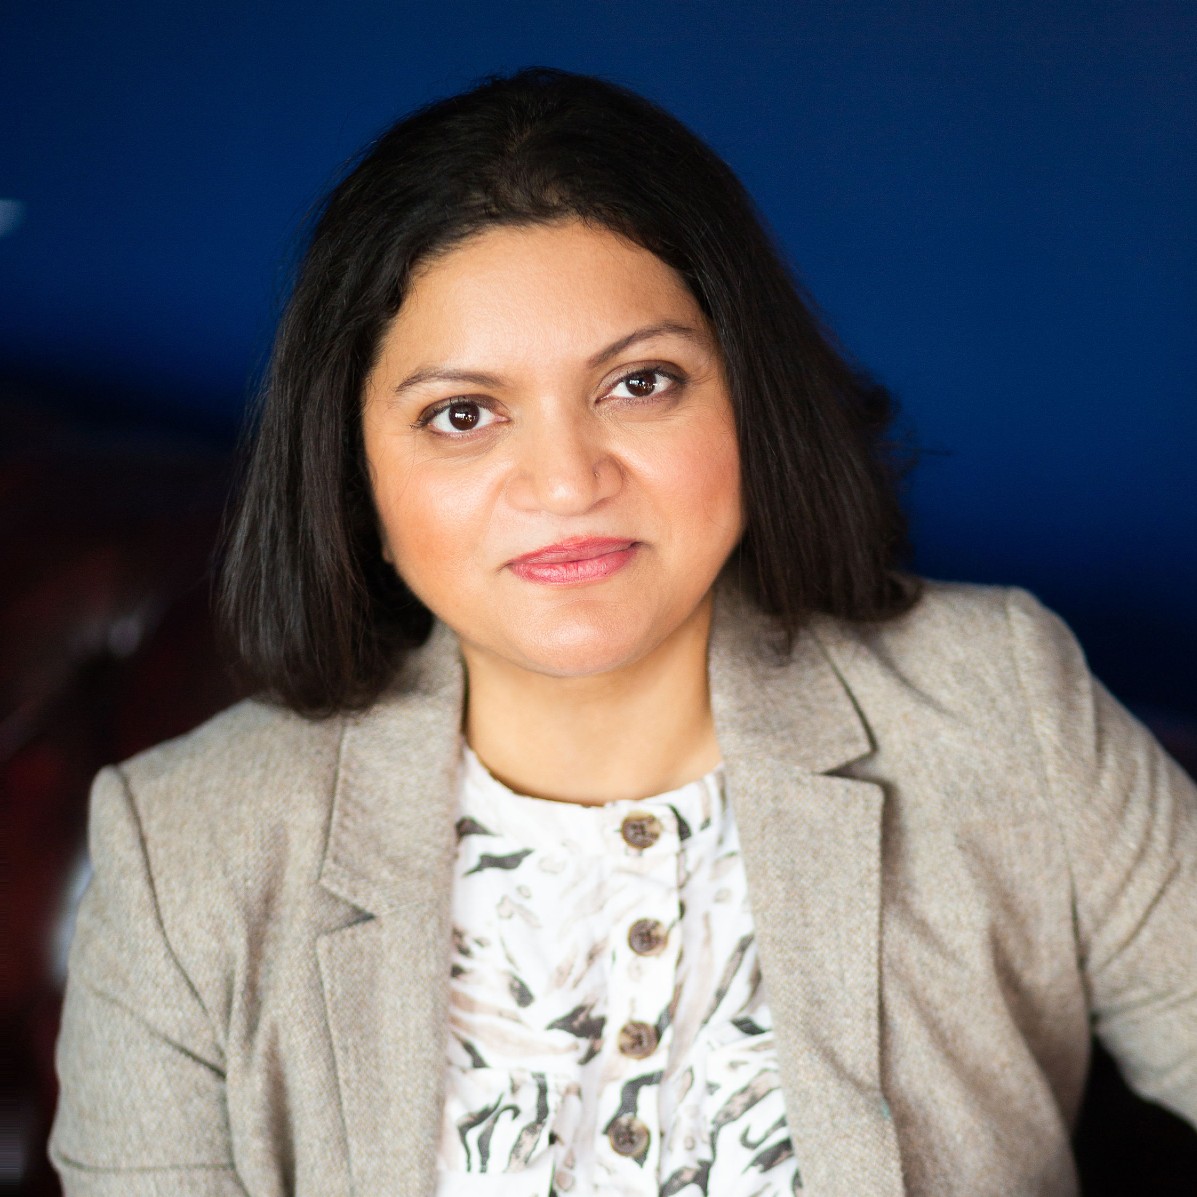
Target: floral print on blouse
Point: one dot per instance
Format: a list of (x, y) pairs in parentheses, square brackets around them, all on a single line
[(608, 1031)]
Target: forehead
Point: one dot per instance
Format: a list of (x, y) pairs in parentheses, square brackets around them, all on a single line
[(568, 283)]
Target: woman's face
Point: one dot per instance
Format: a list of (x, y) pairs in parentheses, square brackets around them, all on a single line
[(552, 448)]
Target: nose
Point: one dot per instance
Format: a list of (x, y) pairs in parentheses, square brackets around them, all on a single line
[(563, 466)]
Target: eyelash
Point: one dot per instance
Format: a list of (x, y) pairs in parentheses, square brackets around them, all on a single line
[(431, 414)]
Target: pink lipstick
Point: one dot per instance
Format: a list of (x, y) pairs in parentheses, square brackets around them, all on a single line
[(576, 560)]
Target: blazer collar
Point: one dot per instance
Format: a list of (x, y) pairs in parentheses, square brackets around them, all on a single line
[(390, 838), (795, 710), (391, 835)]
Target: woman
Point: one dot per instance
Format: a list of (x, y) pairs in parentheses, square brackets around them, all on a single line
[(616, 817)]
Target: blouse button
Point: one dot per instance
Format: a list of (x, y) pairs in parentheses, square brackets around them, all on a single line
[(646, 937), (641, 830), (628, 1136), (637, 1039)]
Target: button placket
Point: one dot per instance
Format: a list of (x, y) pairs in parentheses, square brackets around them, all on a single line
[(642, 984)]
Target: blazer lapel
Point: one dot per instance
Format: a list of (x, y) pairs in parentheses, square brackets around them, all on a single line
[(811, 846), (390, 852)]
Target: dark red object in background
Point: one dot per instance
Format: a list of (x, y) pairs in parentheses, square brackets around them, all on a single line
[(106, 647)]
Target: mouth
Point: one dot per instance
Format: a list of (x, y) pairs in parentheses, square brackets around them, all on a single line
[(576, 560)]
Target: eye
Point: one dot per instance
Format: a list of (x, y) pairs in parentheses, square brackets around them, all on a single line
[(646, 383), (456, 417)]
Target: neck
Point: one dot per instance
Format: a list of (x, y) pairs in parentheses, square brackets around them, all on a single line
[(641, 730)]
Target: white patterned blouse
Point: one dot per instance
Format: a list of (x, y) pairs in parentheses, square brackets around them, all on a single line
[(608, 1026)]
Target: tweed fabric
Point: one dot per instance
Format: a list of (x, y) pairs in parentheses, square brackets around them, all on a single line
[(961, 853)]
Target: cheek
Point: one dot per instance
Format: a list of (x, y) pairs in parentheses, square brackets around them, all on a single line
[(701, 482), (432, 519)]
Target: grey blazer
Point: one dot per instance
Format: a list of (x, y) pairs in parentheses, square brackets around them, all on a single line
[(962, 856)]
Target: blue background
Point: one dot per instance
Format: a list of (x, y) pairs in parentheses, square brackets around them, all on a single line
[(993, 204)]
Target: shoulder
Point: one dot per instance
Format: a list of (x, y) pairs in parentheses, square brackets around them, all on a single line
[(251, 748), (950, 618), (253, 756), (251, 791), (252, 785), (204, 840), (962, 648)]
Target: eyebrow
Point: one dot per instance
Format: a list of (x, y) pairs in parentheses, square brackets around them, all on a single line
[(479, 378)]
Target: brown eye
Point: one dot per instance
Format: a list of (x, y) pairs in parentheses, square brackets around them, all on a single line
[(641, 385), (462, 416), (646, 384), (458, 416)]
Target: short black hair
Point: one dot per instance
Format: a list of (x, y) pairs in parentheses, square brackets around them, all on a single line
[(315, 616)]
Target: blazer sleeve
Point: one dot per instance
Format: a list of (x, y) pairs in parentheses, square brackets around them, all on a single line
[(142, 1108), (1127, 814)]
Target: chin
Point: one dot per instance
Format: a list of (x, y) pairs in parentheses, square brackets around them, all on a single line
[(574, 647)]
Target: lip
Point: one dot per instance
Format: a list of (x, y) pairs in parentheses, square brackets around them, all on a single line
[(576, 560), (576, 548)]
